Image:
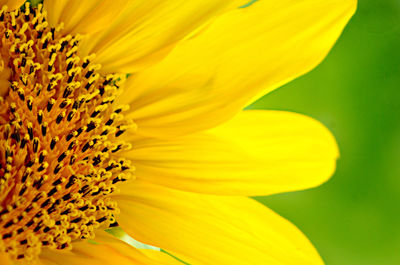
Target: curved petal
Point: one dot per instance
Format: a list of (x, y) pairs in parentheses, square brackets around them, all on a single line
[(11, 4), (243, 54), (105, 250), (89, 16), (206, 229), (147, 30), (256, 153)]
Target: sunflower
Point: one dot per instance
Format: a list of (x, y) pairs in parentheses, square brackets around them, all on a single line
[(127, 114)]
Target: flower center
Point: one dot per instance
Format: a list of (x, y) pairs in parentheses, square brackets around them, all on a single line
[(58, 138)]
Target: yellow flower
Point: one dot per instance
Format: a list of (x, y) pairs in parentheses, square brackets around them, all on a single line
[(162, 157)]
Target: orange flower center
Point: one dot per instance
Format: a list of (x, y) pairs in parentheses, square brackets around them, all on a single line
[(58, 138)]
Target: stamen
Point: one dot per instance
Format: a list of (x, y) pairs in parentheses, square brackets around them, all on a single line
[(58, 138)]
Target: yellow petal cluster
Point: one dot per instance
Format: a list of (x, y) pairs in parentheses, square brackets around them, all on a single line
[(168, 154)]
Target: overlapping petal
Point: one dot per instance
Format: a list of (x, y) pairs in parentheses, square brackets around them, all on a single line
[(106, 250), (11, 4), (205, 81), (83, 16), (243, 54), (146, 31), (256, 153), (206, 229)]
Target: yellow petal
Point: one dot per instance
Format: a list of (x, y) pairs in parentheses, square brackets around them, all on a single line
[(243, 54), (207, 229), (256, 153), (79, 16), (11, 4), (160, 257), (105, 250), (147, 30)]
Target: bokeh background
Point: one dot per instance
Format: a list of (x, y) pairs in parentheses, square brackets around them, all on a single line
[(354, 219)]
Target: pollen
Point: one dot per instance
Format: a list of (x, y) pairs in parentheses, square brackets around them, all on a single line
[(60, 138)]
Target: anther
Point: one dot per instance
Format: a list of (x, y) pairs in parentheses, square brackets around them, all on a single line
[(102, 219), (8, 235), (96, 161), (72, 159), (67, 196), (38, 89), (30, 223), (16, 135), (117, 148), (88, 85), (71, 114), (61, 157), (72, 181), (45, 203), (27, 173), (89, 73), (60, 117), (80, 130), (44, 128), (38, 183), (57, 168), (24, 141), (72, 145), (95, 113), (29, 102), (8, 224), (75, 106), (67, 91), (57, 182), (42, 156), (64, 103), (8, 152), (21, 94), (40, 116), (13, 107), (50, 104), (87, 146), (53, 142), (85, 64), (52, 191), (7, 130), (30, 163), (30, 131), (109, 122), (35, 145), (43, 166), (120, 132), (91, 125), (69, 136), (22, 191)]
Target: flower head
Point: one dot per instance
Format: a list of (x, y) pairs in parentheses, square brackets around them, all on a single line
[(60, 136), (83, 149)]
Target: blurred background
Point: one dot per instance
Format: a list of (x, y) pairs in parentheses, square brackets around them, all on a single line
[(354, 219)]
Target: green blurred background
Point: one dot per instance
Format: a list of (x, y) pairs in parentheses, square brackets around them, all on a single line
[(354, 219)]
